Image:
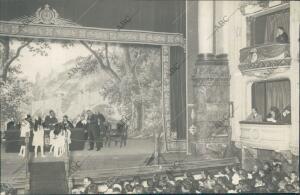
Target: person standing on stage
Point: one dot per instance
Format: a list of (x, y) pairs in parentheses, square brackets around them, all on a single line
[(50, 120), (101, 130), (38, 137), (12, 124), (49, 124), (93, 131), (66, 123), (66, 128), (82, 124), (25, 132)]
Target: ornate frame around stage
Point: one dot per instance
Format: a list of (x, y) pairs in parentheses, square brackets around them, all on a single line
[(47, 24)]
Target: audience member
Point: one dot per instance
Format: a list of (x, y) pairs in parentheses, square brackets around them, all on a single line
[(252, 181), (282, 36), (274, 115), (254, 116), (286, 115)]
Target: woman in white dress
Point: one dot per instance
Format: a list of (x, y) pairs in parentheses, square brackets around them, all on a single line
[(52, 139), (24, 131), (38, 137), (56, 142), (60, 143)]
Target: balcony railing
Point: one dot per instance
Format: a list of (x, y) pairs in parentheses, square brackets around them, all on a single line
[(265, 135), (266, 59)]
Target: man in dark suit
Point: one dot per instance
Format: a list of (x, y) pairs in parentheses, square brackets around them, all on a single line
[(93, 130), (12, 124), (50, 120), (282, 37)]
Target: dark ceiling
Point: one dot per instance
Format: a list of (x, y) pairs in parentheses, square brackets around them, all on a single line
[(150, 15)]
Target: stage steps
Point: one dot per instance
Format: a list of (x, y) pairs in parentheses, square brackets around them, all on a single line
[(48, 178)]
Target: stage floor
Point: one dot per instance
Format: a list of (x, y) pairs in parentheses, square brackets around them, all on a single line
[(133, 154), (109, 162)]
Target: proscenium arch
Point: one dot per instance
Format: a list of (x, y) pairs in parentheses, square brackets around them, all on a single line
[(53, 27)]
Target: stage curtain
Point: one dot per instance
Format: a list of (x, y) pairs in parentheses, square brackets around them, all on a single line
[(178, 92), (273, 22), (258, 97), (178, 73), (278, 94)]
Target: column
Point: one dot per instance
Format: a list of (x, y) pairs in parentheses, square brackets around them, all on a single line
[(205, 26), (210, 87), (223, 15)]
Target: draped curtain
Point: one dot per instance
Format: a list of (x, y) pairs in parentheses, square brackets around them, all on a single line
[(178, 76), (273, 22), (178, 92), (258, 97), (271, 93), (278, 94)]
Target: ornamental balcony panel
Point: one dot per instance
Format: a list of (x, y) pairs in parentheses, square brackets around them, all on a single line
[(265, 60), (265, 135)]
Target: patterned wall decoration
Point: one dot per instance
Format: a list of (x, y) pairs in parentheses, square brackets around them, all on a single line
[(165, 56), (265, 60)]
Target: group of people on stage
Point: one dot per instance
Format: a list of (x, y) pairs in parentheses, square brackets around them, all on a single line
[(60, 132), (274, 116)]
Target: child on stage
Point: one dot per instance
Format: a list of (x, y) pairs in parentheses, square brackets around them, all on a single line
[(38, 137), (25, 131)]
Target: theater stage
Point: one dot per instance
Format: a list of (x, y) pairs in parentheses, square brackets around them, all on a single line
[(133, 154), (109, 162)]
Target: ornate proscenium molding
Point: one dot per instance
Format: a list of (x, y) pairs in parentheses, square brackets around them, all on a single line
[(165, 57), (47, 24), (47, 16), (265, 60)]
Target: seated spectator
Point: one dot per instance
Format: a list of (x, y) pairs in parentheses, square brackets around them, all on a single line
[(293, 177), (186, 187), (117, 188), (286, 115), (128, 189), (277, 170), (274, 115), (235, 177), (254, 116), (255, 172), (89, 186), (102, 189), (229, 173), (281, 186), (138, 189), (259, 185), (281, 37)]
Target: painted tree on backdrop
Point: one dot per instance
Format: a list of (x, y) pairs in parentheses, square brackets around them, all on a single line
[(14, 90), (135, 83)]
